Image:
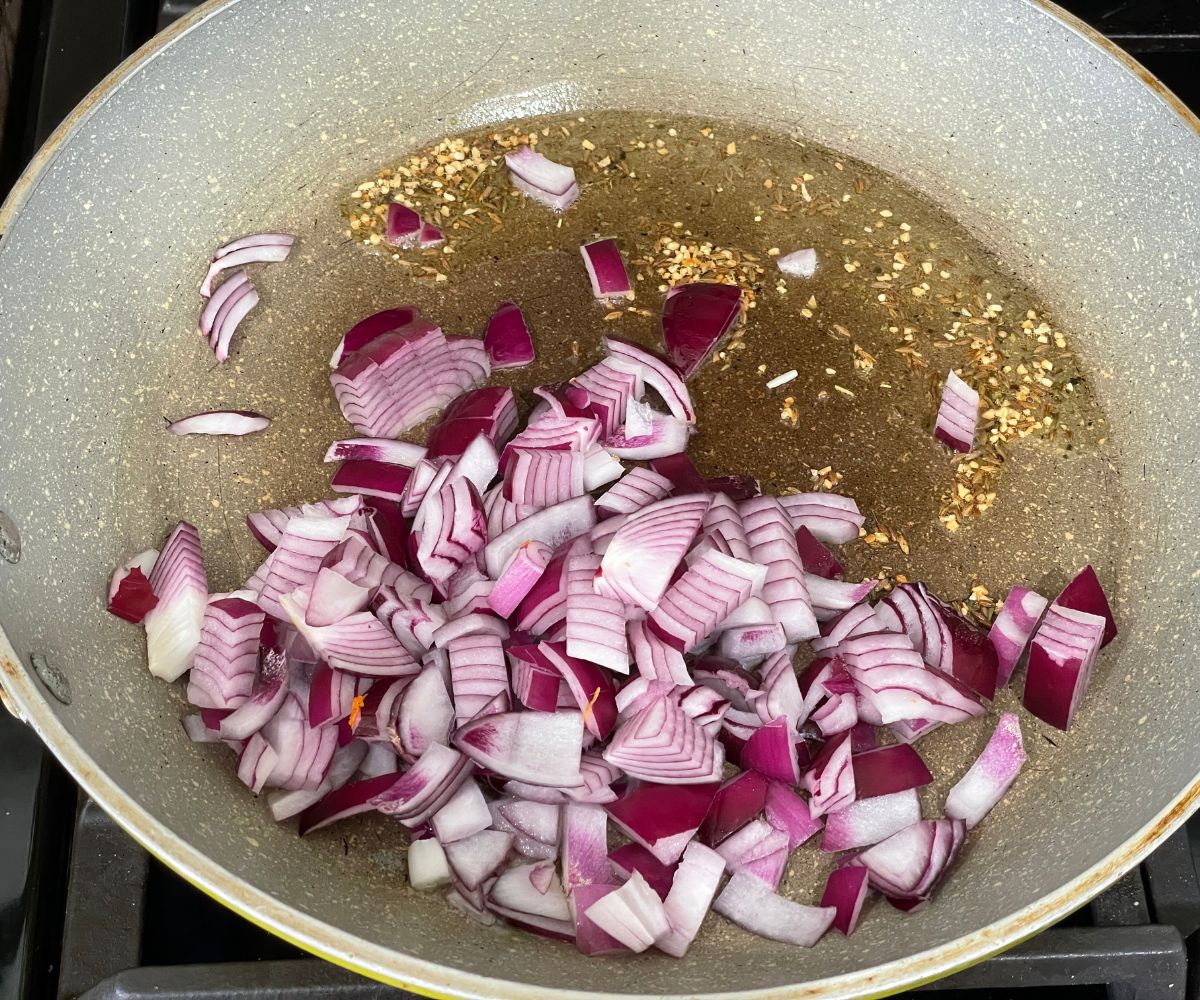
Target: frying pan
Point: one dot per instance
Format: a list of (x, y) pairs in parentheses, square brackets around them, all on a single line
[(1078, 169)]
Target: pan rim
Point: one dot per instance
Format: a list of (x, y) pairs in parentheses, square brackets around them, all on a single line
[(430, 979)]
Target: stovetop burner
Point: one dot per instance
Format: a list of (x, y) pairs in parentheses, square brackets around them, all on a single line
[(86, 913)]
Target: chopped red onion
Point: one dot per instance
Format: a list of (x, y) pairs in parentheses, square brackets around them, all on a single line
[(226, 662), (632, 914), (607, 393), (870, 820), (1061, 655), (749, 644), (524, 570), (958, 414), (453, 531), (644, 552), (464, 814), (517, 893), (539, 477), (410, 616), (584, 849), (425, 787), (772, 543), (507, 338), (692, 891), (828, 516), (638, 488), (786, 811), (1013, 628), (662, 743), (233, 423), (666, 436), (831, 597), (662, 818), (366, 330), (257, 248), (429, 236), (256, 762), (526, 164), (736, 802), (174, 624), (427, 865), (257, 710), (705, 596), (830, 779), (799, 263), (359, 643), (477, 857), (771, 752), (379, 450), (595, 623), (403, 226), (129, 593), (267, 526), (838, 713), (349, 800), (589, 938), (477, 673), (751, 904), (302, 548), (696, 316), (910, 863), (722, 530), (1085, 594), (654, 372), (846, 891), (539, 820), (540, 748), (992, 774), (630, 858), (552, 526), (606, 270), (656, 660)]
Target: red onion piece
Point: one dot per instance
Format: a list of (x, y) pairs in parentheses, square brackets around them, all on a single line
[(425, 787), (815, 558), (771, 752), (736, 802), (267, 526), (302, 548), (257, 710), (427, 865), (370, 478), (644, 552), (1013, 628), (235, 285), (535, 682), (173, 625), (232, 423), (429, 236), (349, 800), (584, 849), (799, 263), (830, 598), (598, 776), (538, 477), (589, 938), (846, 891), (630, 858), (632, 914), (256, 762), (605, 392), (229, 317), (410, 615), (490, 410), (129, 593), (226, 662), (696, 316), (507, 338), (331, 694), (379, 450), (666, 436), (858, 620), (830, 517), (595, 623), (681, 471), (557, 202), (869, 821), (519, 891), (426, 712), (303, 753), (704, 597), (478, 673), (519, 577), (403, 226), (359, 643), (536, 747), (830, 779), (722, 530), (662, 743), (453, 530), (477, 857), (772, 543), (638, 488), (551, 526), (656, 660), (662, 818), (606, 270), (464, 814), (751, 904), (786, 811), (366, 330), (590, 688), (889, 769), (958, 414), (1085, 594), (654, 372), (991, 776), (528, 165), (257, 248), (692, 891), (757, 841), (539, 820), (1061, 655), (909, 864)]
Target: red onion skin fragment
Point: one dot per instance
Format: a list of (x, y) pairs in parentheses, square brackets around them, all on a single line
[(232, 423), (1085, 594), (696, 317), (991, 776), (846, 891), (507, 338)]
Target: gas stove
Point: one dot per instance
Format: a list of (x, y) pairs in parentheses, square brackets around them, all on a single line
[(85, 912)]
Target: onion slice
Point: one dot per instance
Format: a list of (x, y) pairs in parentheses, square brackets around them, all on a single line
[(692, 891), (846, 891), (536, 747), (174, 624), (654, 372), (632, 914), (868, 821), (1085, 594), (751, 904), (606, 270), (257, 248), (696, 316), (1013, 628), (234, 423), (992, 774), (366, 330), (1061, 655), (958, 414), (644, 552)]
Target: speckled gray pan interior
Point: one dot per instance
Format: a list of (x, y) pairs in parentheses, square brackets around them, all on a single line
[(257, 114)]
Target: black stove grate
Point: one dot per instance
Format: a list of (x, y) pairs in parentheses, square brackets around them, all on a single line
[(116, 925)]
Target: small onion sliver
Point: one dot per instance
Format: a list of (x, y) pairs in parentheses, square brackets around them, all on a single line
[(799, 263), (992, 774), (233, 423)]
